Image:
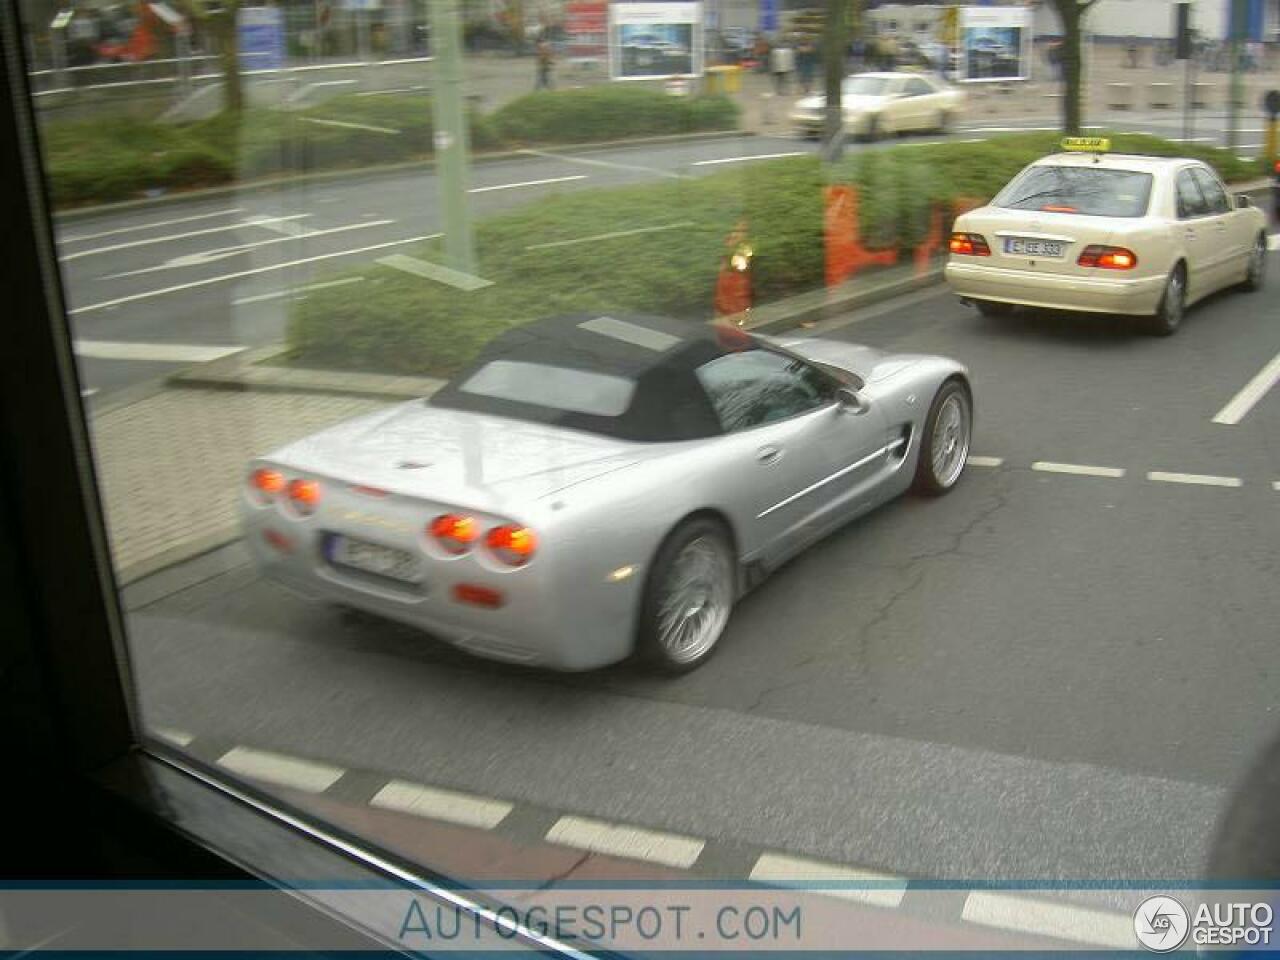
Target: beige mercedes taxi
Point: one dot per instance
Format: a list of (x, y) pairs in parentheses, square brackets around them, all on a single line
[(1108, 233)]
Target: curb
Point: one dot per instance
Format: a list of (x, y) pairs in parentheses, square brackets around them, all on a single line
[(74, 214)]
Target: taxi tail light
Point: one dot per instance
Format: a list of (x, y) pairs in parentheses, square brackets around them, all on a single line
[(1108, 258), (970, 244), (512, 544), (454, 532), (267, 483), (304, 495)]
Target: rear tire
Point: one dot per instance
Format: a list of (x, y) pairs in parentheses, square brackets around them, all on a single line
[(1173, 304), (688, 596), (993, 308), (1256, 273), (944, 444)]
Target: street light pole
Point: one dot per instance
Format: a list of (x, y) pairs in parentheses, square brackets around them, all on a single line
[(452, 149)]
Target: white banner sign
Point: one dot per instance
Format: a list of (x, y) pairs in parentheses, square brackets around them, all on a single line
[(655, 40), (995, 43)]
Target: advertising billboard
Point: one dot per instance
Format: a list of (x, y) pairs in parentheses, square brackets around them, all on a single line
[(586, 26), (654, 40), (995, 43)]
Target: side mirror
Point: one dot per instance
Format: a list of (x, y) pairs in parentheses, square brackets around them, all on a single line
[(851, 402), (1243, 202)]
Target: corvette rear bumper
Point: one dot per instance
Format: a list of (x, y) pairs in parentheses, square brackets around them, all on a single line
[(1034, 289)]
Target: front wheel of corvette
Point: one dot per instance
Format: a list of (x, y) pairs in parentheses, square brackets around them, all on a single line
[(944, 447), (688, 597)]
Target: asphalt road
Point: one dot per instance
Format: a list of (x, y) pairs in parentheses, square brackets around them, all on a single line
[(1043, 675)]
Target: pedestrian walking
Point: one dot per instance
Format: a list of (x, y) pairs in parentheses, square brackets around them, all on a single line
[(782, 63), (806, 62), (545, 59)]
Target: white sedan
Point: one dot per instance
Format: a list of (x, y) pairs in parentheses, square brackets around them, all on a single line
[(880, 104), (1108, 233)]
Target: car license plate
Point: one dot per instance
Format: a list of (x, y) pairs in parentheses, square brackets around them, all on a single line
[(1025, 246), (374, 558)]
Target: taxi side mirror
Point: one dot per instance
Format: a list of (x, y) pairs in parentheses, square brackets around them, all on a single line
[(1243, 202)]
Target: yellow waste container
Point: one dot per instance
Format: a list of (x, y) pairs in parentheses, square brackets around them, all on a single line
[(724, 79)]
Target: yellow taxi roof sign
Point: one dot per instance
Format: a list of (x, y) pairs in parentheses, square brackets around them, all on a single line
[(1086, 144)]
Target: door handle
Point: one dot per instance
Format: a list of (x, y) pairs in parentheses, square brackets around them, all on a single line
[(768, 455)]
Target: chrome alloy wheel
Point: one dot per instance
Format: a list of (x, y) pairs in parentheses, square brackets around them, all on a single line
[(950, 440), (695, 601)]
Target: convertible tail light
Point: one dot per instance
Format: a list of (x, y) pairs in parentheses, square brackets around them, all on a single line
[(455, 533), (1108, 258), (512, 544), (267, 483), (478, 596), (970, 244), (304, 495)]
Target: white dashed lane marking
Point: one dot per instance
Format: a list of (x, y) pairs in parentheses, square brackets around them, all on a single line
[(306, 775), (1060, 920), (848, 883), (757, 156), (1201, 479), (1273, 242), (635, 843), (975, 461), (527, 183), (1077, 469), (178, 737), (135, 228), (464, 808)]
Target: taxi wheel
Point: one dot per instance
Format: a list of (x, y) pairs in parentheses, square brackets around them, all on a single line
[(1256, 275), (1173, 304)]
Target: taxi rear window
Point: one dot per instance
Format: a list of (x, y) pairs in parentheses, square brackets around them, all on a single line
[(1093, 191)]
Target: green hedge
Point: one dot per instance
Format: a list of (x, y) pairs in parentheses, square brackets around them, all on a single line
[(655, 248), (103, 160), (609, 113)]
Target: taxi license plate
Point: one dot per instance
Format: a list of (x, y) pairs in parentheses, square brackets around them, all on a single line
[(1027, 247), (373, 558)]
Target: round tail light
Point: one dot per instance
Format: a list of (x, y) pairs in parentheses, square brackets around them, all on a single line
[(304, 495), (455, 533), (267, 484), (512, 544)]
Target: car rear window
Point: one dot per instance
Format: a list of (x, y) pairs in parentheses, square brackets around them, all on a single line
[(559, 388), (1093, 191)]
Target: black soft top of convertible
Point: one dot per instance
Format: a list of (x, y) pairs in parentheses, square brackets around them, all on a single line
[(658, 355)]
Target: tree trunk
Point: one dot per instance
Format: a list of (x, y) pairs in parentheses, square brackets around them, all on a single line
[(1070, 13), (224, 24), (835, 45)]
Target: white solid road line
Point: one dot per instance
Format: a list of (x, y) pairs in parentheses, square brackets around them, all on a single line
[(608, 164), (390, 131), (634, 843), (295, 291), (239, 225), (850, 883), (276, 768), (1077, 469), (1199, 479), (975, 461), (150, 226), (1061, 920), (1250, 394), (221, 253), (758, 156), (209, 281), (437, 804), (1273, 241), (151, 352), (527, 183)]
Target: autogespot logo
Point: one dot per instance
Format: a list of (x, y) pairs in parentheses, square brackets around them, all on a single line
[(1161, 923)]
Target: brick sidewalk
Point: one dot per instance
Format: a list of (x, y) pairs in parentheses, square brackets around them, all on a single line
[(170, 467)]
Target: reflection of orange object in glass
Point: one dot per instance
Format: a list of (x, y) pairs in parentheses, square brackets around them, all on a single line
[(846, 255), (733, 285)]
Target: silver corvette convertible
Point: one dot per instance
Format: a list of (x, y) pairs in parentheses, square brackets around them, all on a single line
[(594, 486)]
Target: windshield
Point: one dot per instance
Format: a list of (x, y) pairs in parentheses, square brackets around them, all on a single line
[(866, 86), (1056, 188)]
